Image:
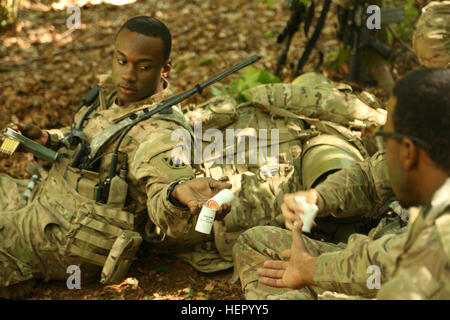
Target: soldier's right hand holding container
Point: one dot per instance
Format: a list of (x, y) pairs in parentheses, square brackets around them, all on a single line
[(300, 206)]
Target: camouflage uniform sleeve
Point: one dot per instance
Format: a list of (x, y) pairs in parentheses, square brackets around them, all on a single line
[(424, 273), (54, 135), (357, 190), (347, 271), (153, 167)]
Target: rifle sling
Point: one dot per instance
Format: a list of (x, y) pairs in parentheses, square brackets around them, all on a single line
[(113, 131), (106, 135)]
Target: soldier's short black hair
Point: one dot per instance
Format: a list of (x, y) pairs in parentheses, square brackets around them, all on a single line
[(423, 111), (150, 27)]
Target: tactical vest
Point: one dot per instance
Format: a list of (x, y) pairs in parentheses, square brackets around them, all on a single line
[(96, 233), (99, 234)]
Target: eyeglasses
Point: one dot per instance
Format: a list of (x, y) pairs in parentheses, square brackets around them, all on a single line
[(379, 132)]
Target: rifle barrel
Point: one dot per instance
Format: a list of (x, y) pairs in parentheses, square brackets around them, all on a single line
[(186, 94)]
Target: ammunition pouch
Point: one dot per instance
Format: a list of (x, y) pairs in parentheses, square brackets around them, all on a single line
[(120, 257), (83, 181)]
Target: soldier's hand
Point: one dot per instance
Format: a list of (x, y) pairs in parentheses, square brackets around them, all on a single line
[(296, 273), (196, 192), (289, 207), (30, 131)]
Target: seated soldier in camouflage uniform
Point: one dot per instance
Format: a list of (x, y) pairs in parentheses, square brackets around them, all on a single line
[(365, 188), (62, 224), (412, 264)]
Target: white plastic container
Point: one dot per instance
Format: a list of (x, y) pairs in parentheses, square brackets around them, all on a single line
[(309, 215), (206, 217), (205, 220), (223, 196)]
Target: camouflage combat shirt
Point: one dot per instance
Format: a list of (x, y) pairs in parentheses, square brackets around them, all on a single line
[(413, 264)]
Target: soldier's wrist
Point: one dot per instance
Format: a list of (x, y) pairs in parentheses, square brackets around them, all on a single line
[(171, 195), (320, 203), (310, 264)]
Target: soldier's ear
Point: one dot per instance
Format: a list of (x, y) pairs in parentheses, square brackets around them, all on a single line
[(409, 154), (166, 69)]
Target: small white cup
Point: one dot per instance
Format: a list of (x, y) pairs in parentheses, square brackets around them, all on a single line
[(309, 215)]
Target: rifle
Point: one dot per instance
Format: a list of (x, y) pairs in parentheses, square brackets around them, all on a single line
[(298, 11), (354, 32)]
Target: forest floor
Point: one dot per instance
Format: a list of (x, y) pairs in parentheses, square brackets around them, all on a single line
[(46, 69)]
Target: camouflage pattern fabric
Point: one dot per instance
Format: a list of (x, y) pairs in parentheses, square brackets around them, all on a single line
[(413, 261), (414, 264), (150, 169), (321, 102), (41, 239), (431, 40), (362, 189), (11, 191), (267, 243), (259, 187), (359, 199), (217, 113)]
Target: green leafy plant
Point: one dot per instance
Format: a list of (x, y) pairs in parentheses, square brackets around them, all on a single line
[(238, 89), (405, 29)]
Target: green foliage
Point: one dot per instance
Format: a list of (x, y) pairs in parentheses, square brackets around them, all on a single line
[(188, 292), (335, 57), (162, 268), (238, 89), (269, 2), (405, 29)]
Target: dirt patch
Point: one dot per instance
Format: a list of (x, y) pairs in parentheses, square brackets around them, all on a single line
[(152, 278)]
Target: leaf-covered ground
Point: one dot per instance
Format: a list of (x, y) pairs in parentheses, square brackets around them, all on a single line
[(46, 69)]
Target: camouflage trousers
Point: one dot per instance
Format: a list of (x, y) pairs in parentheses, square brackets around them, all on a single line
[(267, 243), (11, 191), (29, 246), (259, 244)]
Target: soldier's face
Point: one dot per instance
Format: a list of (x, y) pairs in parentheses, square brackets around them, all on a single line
[(138, 66), (397, 162)]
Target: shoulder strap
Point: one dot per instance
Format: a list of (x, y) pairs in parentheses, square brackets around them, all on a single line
[(106, 135)]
